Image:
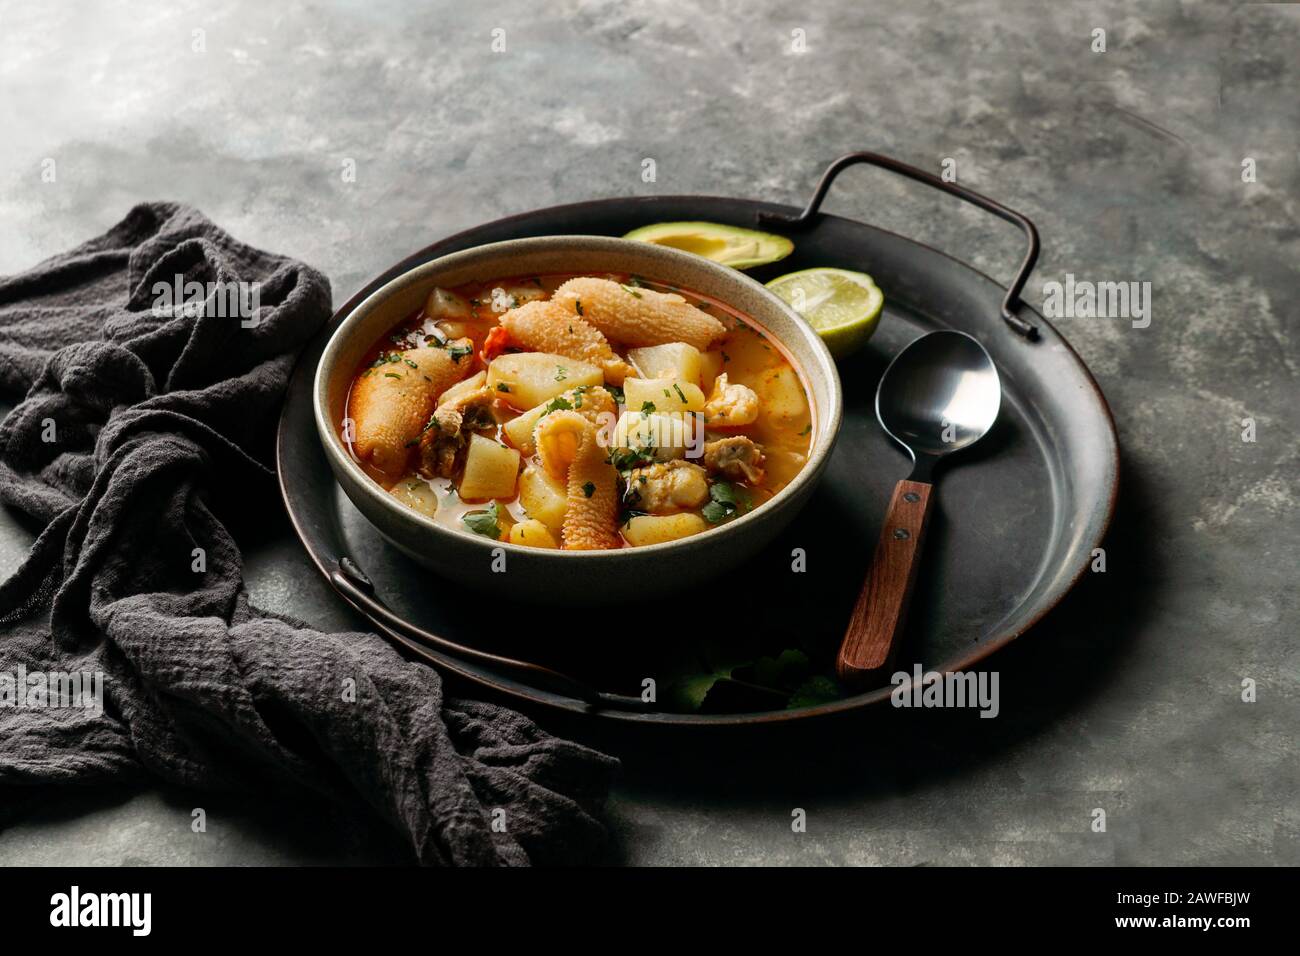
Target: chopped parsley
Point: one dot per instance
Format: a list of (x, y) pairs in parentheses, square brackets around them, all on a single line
[(577, 304), (557, 404), (631, 291), (502, 387), (625, 459), (391, 375), (486, 523), (726, 502), (561, 373), (616, 392), (589, 489), (678, 389), (458, 352), (806, 429), (647, 408)]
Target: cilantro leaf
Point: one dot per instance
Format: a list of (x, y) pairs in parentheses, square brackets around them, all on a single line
[(727, 501), (486, 523), (625, 459)]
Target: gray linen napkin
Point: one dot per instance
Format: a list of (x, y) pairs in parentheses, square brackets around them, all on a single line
[(140, 435)]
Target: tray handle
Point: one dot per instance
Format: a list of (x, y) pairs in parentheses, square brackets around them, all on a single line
[(1011, 302), (358, 590)]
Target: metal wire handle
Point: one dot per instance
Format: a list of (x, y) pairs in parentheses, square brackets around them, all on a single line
[(1011, 302), (359, 591)]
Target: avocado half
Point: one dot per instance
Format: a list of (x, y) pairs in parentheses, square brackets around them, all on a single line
[(729, 245)]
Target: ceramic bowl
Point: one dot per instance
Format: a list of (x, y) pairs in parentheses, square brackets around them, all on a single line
[(574, 577)]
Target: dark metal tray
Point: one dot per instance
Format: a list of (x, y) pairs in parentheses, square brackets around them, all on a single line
[(1014, 525)]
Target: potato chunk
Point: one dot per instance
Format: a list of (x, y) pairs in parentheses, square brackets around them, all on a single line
[(531, 378), (665, 394), (417, 495), (656, 529), (520, 429), (543, 498), (675, 360), (444, 304), (781, 393), (710, 367), (466, 387), (491, 470), (662, 437), (533, 534)]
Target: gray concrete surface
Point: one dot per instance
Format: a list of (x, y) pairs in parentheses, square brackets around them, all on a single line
[(1129, 698)]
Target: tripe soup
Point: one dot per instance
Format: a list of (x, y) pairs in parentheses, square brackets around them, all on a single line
[(578, 412)]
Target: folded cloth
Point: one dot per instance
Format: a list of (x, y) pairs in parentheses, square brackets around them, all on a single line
[(144, 427)]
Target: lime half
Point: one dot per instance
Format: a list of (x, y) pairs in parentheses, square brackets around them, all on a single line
[(843, 306)]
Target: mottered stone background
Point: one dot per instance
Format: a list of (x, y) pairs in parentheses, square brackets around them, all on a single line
[(1127, 698)]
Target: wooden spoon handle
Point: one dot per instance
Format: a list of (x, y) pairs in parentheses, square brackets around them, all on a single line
[(876, 625)]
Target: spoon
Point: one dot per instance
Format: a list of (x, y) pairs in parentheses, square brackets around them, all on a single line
[(939, 395)]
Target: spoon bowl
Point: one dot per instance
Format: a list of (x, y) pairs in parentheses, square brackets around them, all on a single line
[(939, 395)]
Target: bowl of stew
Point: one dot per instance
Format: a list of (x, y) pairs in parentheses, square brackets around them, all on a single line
[(576, 419)]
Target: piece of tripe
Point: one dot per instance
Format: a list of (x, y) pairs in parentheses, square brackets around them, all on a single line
[(635, 316), (392, 401), (592, 402), (569, 449), (547, 326)]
